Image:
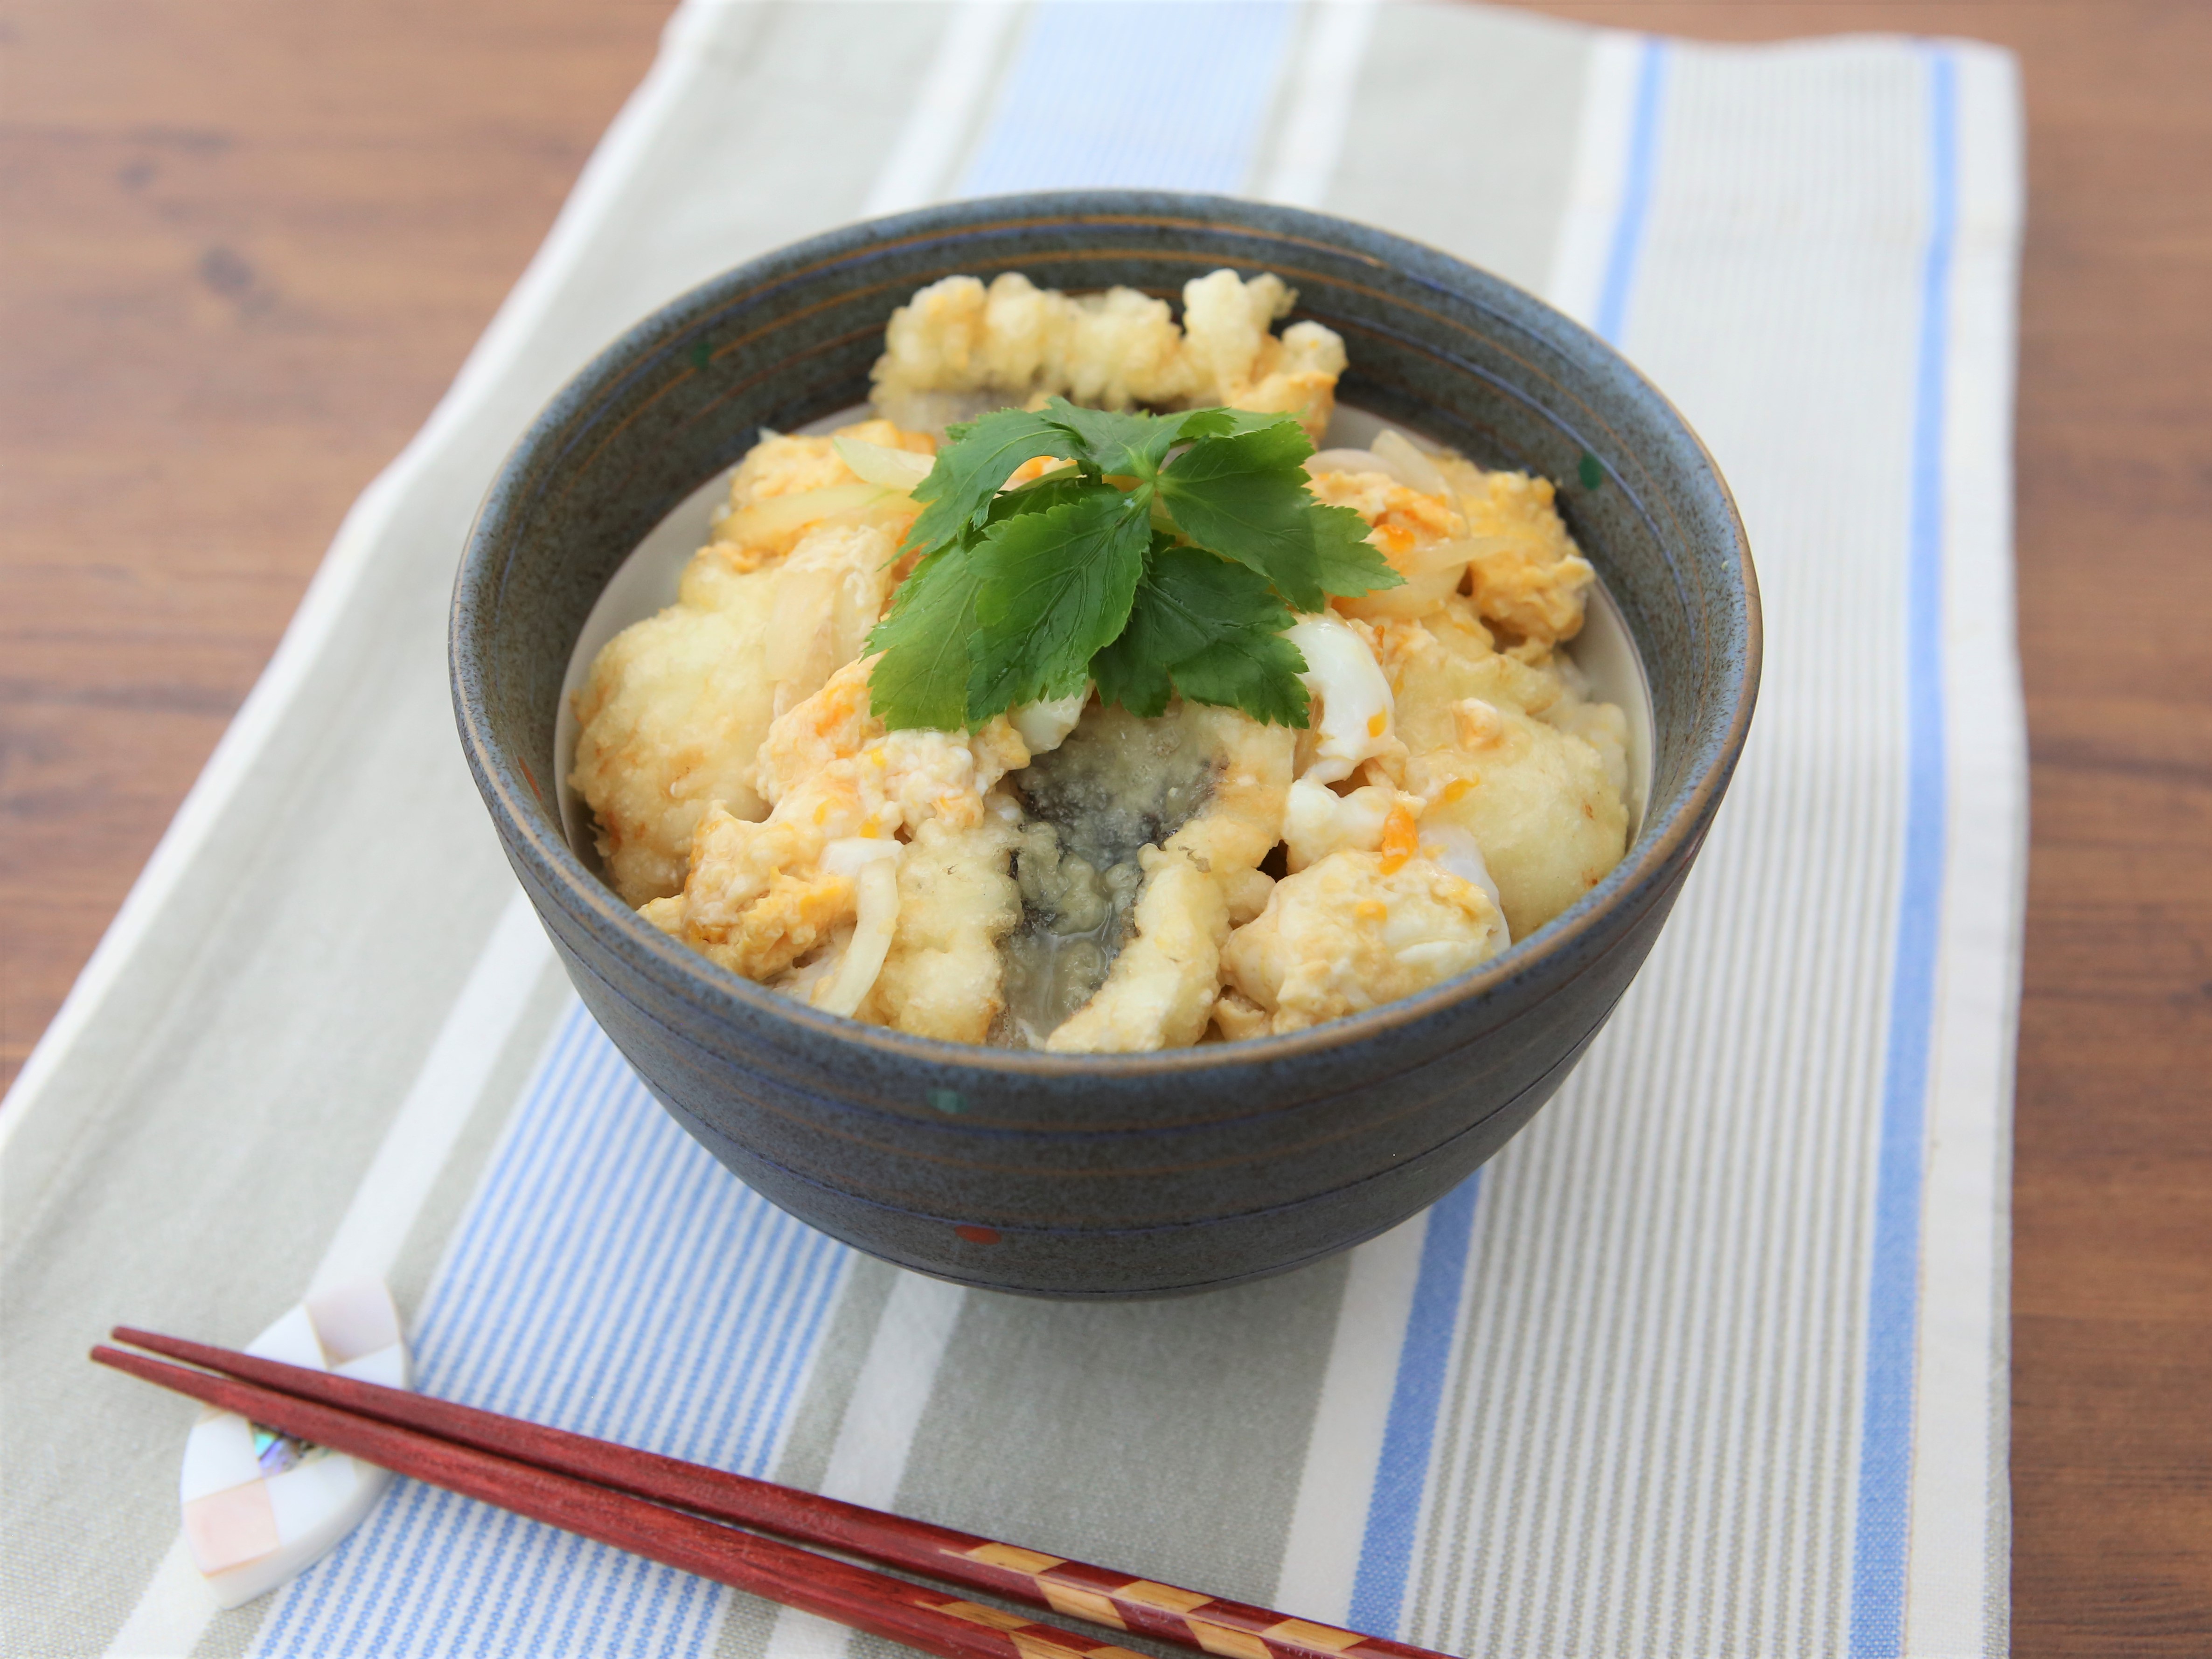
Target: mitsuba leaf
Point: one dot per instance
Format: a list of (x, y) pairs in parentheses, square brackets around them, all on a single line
[(1345, 562), (1040, 495), (922, 679), (1052, 588), (1209, 629), (1120, 442), (1228, 422), (977, 460), (1244, 496)]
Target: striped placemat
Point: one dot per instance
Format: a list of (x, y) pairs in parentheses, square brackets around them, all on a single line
[(1711, 1359)]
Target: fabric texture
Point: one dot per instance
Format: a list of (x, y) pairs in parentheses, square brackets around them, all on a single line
[(1712, 1358)]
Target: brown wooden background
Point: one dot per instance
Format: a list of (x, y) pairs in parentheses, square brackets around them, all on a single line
[(247, 243)]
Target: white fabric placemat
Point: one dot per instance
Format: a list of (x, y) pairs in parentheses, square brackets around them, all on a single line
[(1711, 1359)]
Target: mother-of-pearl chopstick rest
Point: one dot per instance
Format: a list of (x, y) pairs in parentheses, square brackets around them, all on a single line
[(259, 1506)]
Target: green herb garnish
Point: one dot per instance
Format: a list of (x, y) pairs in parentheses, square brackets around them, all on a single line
[(1168, 559)]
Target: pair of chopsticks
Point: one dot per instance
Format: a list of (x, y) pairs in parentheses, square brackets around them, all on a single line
[(675, 1512)]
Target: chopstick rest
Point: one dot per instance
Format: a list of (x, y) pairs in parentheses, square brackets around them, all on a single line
[(1120, 1600), (260, 1506)]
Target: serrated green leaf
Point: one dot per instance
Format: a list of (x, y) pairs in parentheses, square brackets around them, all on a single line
[(1228, 422), (1053, 588), (1040, 495), (1124, 674), (1208, 629), (1244, 496), (1256, 672), (1348, 563), (977, 460), (1118, 441), (922, 680)]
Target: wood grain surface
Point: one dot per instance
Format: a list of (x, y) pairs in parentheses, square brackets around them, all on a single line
[(247, 244)]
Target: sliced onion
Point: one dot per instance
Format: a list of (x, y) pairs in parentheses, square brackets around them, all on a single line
[(1344, 460), (1408, 465), (1454, 553), (879, 463), (1394, 456), (1417, 596), (871, 939), (804, 602), (764, 521)]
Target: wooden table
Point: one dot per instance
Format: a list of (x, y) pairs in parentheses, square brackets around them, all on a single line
[(248, 242)]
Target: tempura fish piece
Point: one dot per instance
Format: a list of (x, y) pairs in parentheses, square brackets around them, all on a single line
[(944, 977), (1021, 343), (958, 347), (676, 706), (835, 775), (1160, 990), (1352, 931), (1544, 805), (1233, 361)]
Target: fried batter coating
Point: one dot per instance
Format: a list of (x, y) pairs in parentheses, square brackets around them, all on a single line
[(1542, 803), (1016, 343), (677, 705), (1234, 362), (1160, 991), (836, 775), (944, 977), (1352, 931)]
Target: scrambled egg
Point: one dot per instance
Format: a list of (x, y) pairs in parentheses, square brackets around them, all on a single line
[(1457, 787), (1513, 753), (1356, 930)]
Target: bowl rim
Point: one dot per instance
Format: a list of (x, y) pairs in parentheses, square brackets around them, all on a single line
[(530, 826)]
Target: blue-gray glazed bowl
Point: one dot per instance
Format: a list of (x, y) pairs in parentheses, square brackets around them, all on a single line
[(1105, 1175)]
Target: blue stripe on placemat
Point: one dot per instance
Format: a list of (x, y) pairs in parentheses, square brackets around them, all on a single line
[(1385, 1551), (1159, 97), (1882, 1531), (609, 1277), (1634, 192)]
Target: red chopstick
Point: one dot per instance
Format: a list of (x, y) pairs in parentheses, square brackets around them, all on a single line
[(1101, 1596), (912, 1613)]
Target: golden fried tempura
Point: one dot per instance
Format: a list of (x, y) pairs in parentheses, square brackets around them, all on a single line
[(1356, 930), (1014, 342), (1159, 992), (676, 707), (1544, 803), (944, 977)]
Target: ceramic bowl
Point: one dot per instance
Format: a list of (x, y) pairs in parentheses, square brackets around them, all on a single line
[(1105, 1175)]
